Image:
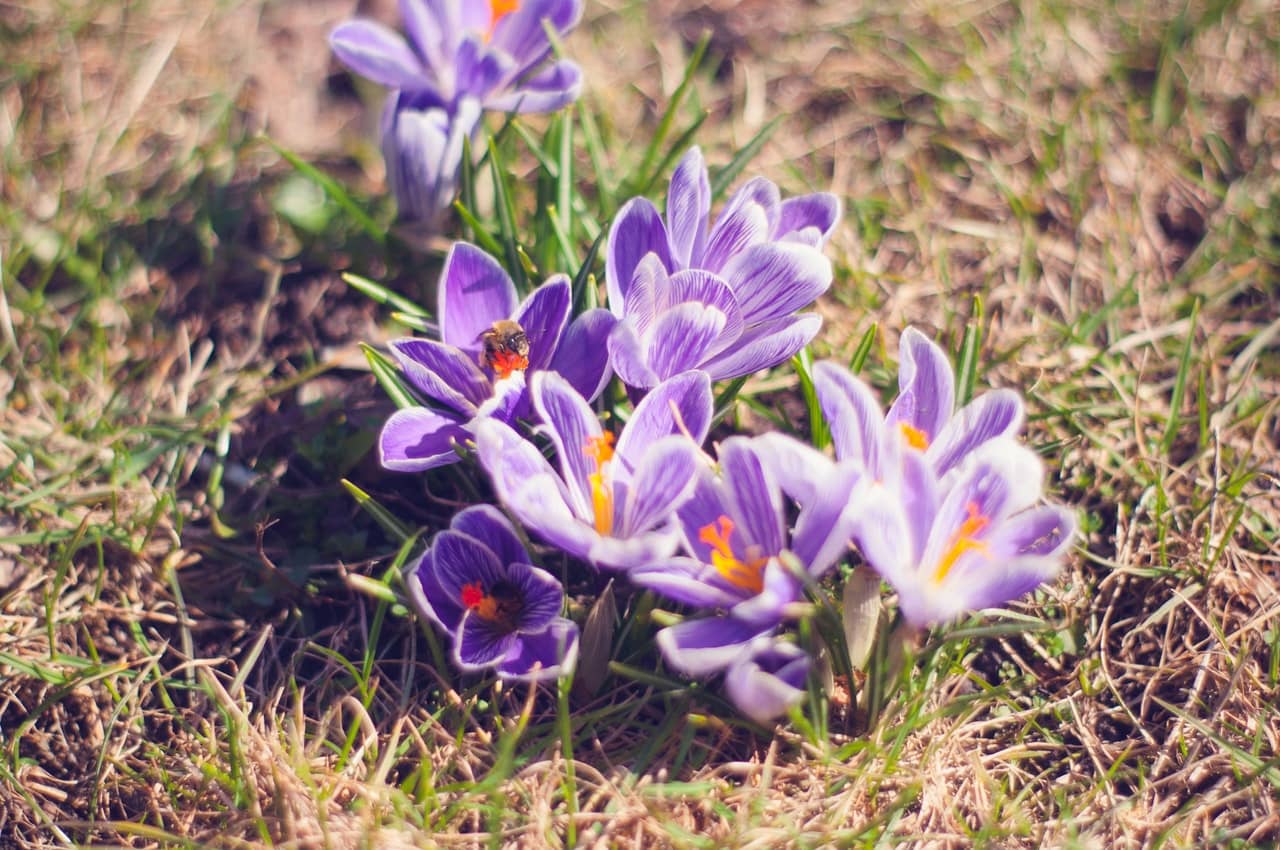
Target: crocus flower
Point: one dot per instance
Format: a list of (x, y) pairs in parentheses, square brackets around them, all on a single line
[(423, 142), (488, 344), (476, 583), (736, 533), (486, 51), (979, 543), (767, 678), (611, 505), (759, 263), (922, 418)]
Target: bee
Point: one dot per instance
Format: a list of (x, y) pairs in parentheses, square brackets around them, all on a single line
[(508, 604), (505, 348)]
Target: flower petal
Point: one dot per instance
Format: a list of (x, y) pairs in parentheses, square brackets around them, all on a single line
[(1046, 532), (416, 439), (573, 428), (636, 231), (627, 553), (376, 52), (541, 656), (442, 373), (926, 386), (990, 416), (754, 496), (492, 528), (543, 316), (460, 559), (682, 337), (768, 679), (549, 90), (481, 643), (542, 597), (734, 232), (706, 646), (776, 279), (583, 355), (683, 580), (818, 212), (765, 345), (521, 33), (427, 597), (660, 485), (627, 356), (853, 415), (688, 205), (679, 405), (475, 292)]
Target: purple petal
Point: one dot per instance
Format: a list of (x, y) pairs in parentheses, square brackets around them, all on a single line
[(442, 373), (521, 33), (999, 583), (428, 598), (776, 279), (422, 165), (460, 560), (682, 337), (646, 296), (1045, 532), (754, 495), (767, 680), (684, 580), (800, 470), (636, 231), (638, 550), (491, 527), (819, 212), (373, 51), (765, 345), (481, 643), (825, 526), (688, 205), (541, 594), (660, 484), (548, 654), (543, 315), (883, 534), (926, 386), (707, 502), (711, 291), (679, 405), (428, 29), (706, 646), (627, 356), (416, 439), (582, 357), (509, 401), (734, 232), (767, 609), (549, 90), (990, 416), (475, 292), (573, 428), (854, 418), (480, 71), (919, 494)]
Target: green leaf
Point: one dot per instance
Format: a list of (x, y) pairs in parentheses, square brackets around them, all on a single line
[(967, 370), (384, 296), (334, 190), (725, 176), (389, 377)]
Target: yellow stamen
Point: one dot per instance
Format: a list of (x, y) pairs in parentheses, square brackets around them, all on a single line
[(499, 9), (914, 437), (600, 450), (964, 540), (749, 574)]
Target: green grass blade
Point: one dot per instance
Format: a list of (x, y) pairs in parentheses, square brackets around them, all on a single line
[(860, 354), (334, 191), (381, 515), (384, 296), (1180, 382), (720, 182), (646, 171), (819, 433), (506, 210), (967, 369), (389, 378)]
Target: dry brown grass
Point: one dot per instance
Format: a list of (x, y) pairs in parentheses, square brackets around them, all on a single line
[(1088, 170)]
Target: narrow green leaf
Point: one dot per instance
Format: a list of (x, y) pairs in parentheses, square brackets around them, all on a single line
[(505, 208), (380, 515), (646, 169), (1180, 382), (584, 282), (819, 432), (389, 378), (673, 153), (860, 353), (967, 370), (480, 234), (725, 176), (384, 296), (334, 190)]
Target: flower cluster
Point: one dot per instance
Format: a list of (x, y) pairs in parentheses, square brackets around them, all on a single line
[(462, 58), (945, 505)]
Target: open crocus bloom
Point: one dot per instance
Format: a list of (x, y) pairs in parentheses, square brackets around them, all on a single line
[(486, 51), (611, 505), (736, 534), (723, 299), (476, 583), (767, 678), (489, 344), (979, 543)]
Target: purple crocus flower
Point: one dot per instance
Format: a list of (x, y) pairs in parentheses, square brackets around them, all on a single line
[(922, 418), (767, 678), (612, 506), (736, 533), (476, 583), (486, 51), (978, 543), (423, 142), (488, 344), (721, 300)]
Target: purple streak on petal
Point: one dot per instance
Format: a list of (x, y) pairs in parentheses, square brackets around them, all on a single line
[(991, 584), (767, 680), (572, 426), (416, 439), (422, 165), (428, 598), (681, 338), (800, 470), (442, 373), (990, 416), (549, 90), (583, 355), (481, 643), (765, 345), (677, 405), (926, 386), (373, 51), (637, 229), (825, 526), (543, 315), (775, 279), (627, 356), (521, 33), (475, 292), (754, 495), (919, 494), (733, 233), (542, 596), (548, 654), (758, 192), (819, 211), (706, 646), (509, 401), (660, 484), (688, 205), (428, 30), (710, 290), (481, 71), (686, 581), (853, 415), (491, 527), (460, 559), (647, 294), (1044, 532)]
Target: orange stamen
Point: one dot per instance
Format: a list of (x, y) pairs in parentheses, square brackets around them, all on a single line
[(600, 450), (914, 437), (749, 574), (474, 598), (499, 9), (504, 363), (964, 540)]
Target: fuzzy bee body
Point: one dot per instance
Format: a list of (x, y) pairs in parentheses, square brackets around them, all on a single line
[(505, 348)]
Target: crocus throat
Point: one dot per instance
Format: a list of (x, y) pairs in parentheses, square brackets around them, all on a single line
[(500, 604), (963, 540), (499, 9), (600, 450), (914, 437), (748, 574), (475, 599)]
